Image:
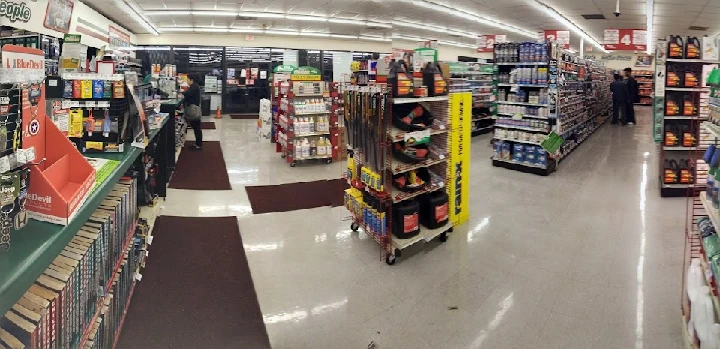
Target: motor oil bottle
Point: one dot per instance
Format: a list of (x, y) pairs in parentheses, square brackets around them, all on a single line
[(671, 136), (686, 172), (691, 79), (688, 138), (434, 81), (675, 47), (672, 77), (672, 106), (692, 48), (669, 175), (402, 84), (689, 107)]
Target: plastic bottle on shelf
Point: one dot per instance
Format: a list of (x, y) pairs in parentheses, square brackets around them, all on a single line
[(305, 148), (313, 148), (298, 149), (321, 150), (328, 147)]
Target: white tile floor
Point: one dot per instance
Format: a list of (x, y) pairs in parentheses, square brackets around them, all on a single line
[(589, 257)]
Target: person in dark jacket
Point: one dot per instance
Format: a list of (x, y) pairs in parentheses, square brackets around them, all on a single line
[(634, 95), (192, 96), (620, 97)]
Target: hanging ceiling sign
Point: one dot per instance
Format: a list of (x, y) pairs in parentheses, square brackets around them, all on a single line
[(486, 43), (15, 11), (562, 37), (625, 39), (58, 15)]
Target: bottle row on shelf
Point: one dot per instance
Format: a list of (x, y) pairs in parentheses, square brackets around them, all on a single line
[(520, 153), (525, 76), (522, 96)]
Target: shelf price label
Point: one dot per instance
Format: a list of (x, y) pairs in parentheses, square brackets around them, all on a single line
[(625, 39)]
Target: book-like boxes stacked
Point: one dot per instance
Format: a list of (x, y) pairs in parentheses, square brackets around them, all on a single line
[(59, 309)]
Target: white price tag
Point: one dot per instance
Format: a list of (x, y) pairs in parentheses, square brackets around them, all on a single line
[(66, 104), (442, 127), (441, 184), (138, 276), (147, 254), (442, 157), (4, 164), (75, 104), (30, 154), (104, 104), (90, 104), (150, 239), (21, 156)]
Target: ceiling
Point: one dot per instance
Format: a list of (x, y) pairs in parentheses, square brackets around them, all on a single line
[(411, 19)]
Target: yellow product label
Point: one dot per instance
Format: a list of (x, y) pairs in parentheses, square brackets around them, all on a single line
[(75, 124), (304, 77), (459, 162), (86, 89), (94, 145)]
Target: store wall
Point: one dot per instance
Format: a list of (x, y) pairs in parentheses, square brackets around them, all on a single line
[(58, 19), (238, 40)]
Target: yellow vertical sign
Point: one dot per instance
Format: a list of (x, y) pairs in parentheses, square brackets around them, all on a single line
[(459, 162)]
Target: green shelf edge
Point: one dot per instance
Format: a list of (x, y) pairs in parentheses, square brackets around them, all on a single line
[(34, 247)]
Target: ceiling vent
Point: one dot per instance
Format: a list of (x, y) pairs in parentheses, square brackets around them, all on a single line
[(699, 28), (243, 18), (372, 27), (594, 16)]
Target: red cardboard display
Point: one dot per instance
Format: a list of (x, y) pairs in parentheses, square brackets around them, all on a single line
[(61, 178)]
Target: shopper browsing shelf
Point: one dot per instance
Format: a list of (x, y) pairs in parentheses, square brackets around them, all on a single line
[(620, 97), (633, 93), (192, 108)]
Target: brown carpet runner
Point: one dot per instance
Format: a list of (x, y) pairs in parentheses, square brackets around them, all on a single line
[(196, 291), (207, 125), (244, 116), (296, 196), (201, 169)]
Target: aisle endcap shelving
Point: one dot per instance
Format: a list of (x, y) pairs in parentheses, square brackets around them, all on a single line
[(398, 135), (426, 235), (39, 243)]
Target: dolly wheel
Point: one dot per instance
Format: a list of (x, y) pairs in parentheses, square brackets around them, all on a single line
[(354, 226), (282, 155), (292, 164), (443, 237), (390, 259), (329, 161), (450, 230)]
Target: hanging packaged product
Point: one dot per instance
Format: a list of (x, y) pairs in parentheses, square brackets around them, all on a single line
[(107, 89), (692, 48), (86, 89), (118, 89), (406, 222), (433, 79), (76, 89), (68, 89), (75, 123), (675, 47), (398, 78), (671, 173), (98, 89)]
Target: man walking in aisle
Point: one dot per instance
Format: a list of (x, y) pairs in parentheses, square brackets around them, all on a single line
[(633, 95), (620, 99)]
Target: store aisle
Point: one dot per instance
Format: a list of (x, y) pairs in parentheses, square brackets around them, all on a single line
[(589, 257)]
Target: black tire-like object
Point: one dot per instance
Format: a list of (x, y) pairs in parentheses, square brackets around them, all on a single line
[(406, 216)]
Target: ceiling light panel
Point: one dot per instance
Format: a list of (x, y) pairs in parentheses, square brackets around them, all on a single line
[(554, 14)]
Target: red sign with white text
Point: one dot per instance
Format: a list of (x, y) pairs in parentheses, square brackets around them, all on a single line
[(486, 43), (625, 39), (561, 36)]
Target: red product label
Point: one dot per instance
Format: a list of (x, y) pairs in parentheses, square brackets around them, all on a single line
[(410, 223), (441, 212)]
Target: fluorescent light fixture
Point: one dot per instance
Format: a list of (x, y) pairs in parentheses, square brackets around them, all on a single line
[(374, 38), (261, 14), (175, 29), (456, 44), (566, 22), (482, 19), (434, 28), (379, 25), (122, 4), (408, 38), (281, 32), (212, 30), (214, 13), (649, 12), (248, 31), (306, 18), (315, 34), (346, 21), (340, 36), (166, 13)]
